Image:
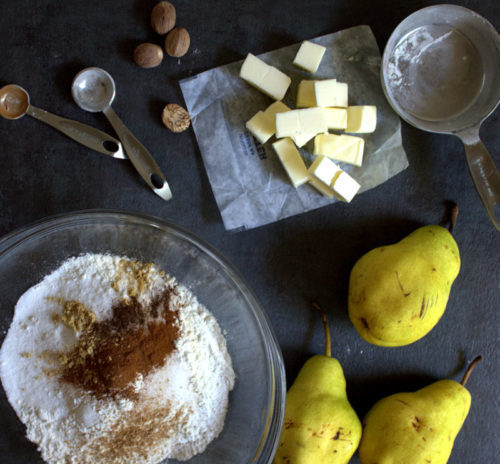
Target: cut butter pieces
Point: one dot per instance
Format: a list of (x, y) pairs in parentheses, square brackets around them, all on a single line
[(331, 181), (306, 97), (277, 107), (330, 92), (324, 170), (301, 139), (336, 118), (310, 121), (309, 56), (263, 124), (361, 119), (292, 161), (322, 107), (264, 77), (345, 187), (345, 148)]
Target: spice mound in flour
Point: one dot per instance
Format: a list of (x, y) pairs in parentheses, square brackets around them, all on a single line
[(110, 360), (111, 354)]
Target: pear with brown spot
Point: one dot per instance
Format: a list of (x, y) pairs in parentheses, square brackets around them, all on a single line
[(398, 293), (320, 425), (418, 427)]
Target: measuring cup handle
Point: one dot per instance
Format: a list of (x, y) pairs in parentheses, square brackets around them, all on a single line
[(81, 133), (484, 173), (139, 156)]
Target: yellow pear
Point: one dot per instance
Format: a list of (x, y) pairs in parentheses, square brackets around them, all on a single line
[(320, 425), (398, 293), (416, 428)]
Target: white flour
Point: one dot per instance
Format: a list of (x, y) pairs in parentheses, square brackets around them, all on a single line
[(179, 408)]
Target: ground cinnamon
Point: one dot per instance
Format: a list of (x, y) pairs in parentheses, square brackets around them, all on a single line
[(110, 355)]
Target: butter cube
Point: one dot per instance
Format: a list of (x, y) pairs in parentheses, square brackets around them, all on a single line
[(312, 121), (345, 187), (306, 97), (309, 56), (336, 118), (301, 139), (267, 79), (309, 121), (361, 119), (345, 148), (287, 124), (253, 70), (330, 180), (324, 170), (277, 107), (292, 161), (324, 189), (276, 84), (261, 126), (331, 93)]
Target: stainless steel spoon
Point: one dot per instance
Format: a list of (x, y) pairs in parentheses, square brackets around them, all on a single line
[(94, 90), (15, 103)]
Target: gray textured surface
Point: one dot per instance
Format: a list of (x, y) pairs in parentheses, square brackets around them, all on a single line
[(291, 262)]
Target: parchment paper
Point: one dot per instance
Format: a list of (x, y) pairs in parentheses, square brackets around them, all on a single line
[(249, 184)]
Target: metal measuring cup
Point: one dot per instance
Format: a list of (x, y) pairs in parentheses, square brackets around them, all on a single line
[(441, 73)]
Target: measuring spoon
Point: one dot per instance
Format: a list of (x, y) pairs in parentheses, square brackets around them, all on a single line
[(441, 73), (15, 103), (94, 90)]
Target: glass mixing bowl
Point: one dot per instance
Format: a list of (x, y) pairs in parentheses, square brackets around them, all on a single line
[(256, 405)]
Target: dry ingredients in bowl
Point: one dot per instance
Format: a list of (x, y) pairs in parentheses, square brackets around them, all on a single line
[(110, 360)]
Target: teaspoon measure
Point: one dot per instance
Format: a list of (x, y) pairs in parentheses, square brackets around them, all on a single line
[(94, 90), (15, 103)]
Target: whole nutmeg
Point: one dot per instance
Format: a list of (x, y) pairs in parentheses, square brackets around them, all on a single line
[(163, 17), (177, 42), (148, 55), (175, 117)]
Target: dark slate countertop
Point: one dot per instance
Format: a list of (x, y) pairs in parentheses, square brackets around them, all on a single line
[(289, 263)]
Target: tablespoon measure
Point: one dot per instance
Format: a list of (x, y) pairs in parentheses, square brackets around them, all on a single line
[(94, 90), (15, 103)]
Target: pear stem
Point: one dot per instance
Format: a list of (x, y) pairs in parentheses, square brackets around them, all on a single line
[(469, 370), (453, 217), (328, 341)]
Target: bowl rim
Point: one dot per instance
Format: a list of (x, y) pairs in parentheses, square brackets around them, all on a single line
[(266, 448)]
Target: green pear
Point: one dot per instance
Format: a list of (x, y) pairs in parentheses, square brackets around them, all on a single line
[(320, 425), (416, 428), (398, 293)]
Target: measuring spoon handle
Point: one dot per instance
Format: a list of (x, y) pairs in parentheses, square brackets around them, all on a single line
[(81, 133), (484, 173), (139, 156)]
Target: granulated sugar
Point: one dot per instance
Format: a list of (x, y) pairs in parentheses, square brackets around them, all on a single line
[(174, 411)]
